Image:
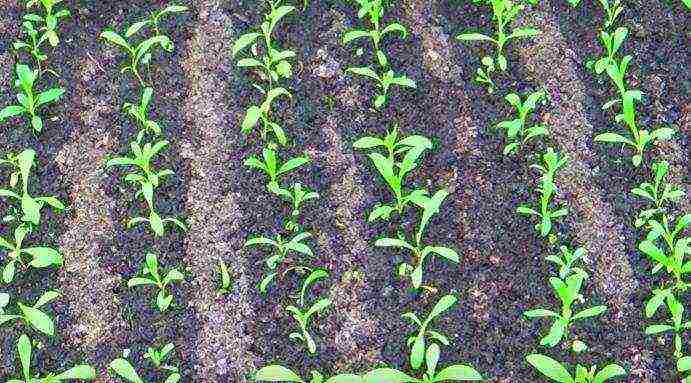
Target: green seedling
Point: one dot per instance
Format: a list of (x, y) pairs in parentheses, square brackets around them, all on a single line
[(612, 42), (151, 276), (277, 373), (399, 160), (297, 196), (547, 189), (675, 262), (50, 18), (384, 82), (273, 168), (516, 131), (31, 315), (123, 369), (420, 251), (505, 11), (225, 278), (375, 10), (80, 372), (272, 66), (676, 324), (661, 193), (29, 101), (140, 113), (41, 256), (454, 373), (303, 319), (566, 260), (684, 363), (281, 253), (158, 357), (153, 23), (30, 206), (417, 341), (557, 371), (568, 292), (612, 11)]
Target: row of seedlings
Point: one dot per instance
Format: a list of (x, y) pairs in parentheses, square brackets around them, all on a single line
[(665, 243), (289, 251), (569, 277), (141, 42), (25, 213)]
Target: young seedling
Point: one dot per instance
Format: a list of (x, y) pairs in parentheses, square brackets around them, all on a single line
[(225, 278), (676, 324), (140, 113), (297, 196), (454, 373), (153, 23), (675, 263), (417, 341), (124, 370), (273, 168), (151, 276), (49, 20), (568, 292), (660, 193), (80, 372), (505, 11), (41, 256), (272, 66), (557, 372), (30, 206), (303, 319), (612, 11), (158, 357), (612, 42), (547, 189), (31, 315), (516, 131), (399, 160), (282, 251), (29, 101), (277, 373), (430, 206), (384, 82), (566, 260)]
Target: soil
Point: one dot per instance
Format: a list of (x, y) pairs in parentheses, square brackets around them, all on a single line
[(200, 98)]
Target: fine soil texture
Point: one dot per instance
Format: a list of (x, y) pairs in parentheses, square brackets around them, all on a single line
[(200, 97)]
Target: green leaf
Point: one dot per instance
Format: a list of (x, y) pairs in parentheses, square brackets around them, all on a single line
[(138, 281), (84, 372), (251, 119), (394, 27), (657, 328), (608, 372), (388, 375), (354, 35), (684, 364), (392, 242), (11, 111), (293, 163), (473, 37), (539, 313), (38, 319), (550, 368), (243, 41), (614, 138), (524, 32), (116, 39), (368, 143), (458, 372), (24, 351), (445, 252), (125, 370), (417, 352), (590, 312), (37, 123), (364, 71), (276, 373), (46, 298)]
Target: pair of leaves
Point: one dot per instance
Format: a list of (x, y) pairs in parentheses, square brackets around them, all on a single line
[(417, 342), (384, 82), (516, 130), (124, 369), (80, 372), (271, 166), (558, 373), (303, 318), (151, 276), (41, 256), (33, 315)]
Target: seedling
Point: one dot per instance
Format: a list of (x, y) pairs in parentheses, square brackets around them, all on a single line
[(41, 256), (140, 113), (566, 260), (420, 251), (50, 19), (454, 373), (29, 101), (31, 315), (272, 167), (384, 82), (80, 372), (30, 206), (660, 193), (303, 319), (676, 324), (505, 11), (516, 131), (151, 276), (124, 370), (400, 159), (153, 23), (277, 373), (158, 357), (282, 251), (297, 196), (557, 372), (272, 66), (612, 11), (225, 278), (547, 189), (417, 341), (568, 292), (674, 263), (612, 42)]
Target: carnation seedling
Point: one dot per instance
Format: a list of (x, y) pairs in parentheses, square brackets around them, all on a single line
[(159, 357), (30, 207), (255, 114), (151, 276), (505, 11), (384, 82), (303, 318), (676, 324), (417, 342), (547, 189), (516, 130), (676, 262), (153, 23), (123, 369), (277, 373), (660, 193), (420, 251), (557, 372), (400, 158), (568, 292), (454, 373), (612, 42), (140, 113), (225, 277), (80, 372), (566, 260), (32, 315), (612, 11), (270, 164), (41, 256), (29, 101), (282, 251), (297, 196)]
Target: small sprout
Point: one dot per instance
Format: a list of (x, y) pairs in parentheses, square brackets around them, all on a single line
[(273, 168), (612, 11), (417, 342), (39, 29), (297, 196), (151, 276), (140, 113), (158, 357), (612, 42), (41, 256), (225, 278), (516, 130), (566, 261), (80, 372), (32, 315), (558, 373), (123, 369), (384, 82), (676, 324), (303, 319)]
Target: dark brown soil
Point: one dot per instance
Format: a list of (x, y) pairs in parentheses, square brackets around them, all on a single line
[(200, 98)]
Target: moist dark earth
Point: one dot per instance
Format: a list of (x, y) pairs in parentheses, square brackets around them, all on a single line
[(200, 97)]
